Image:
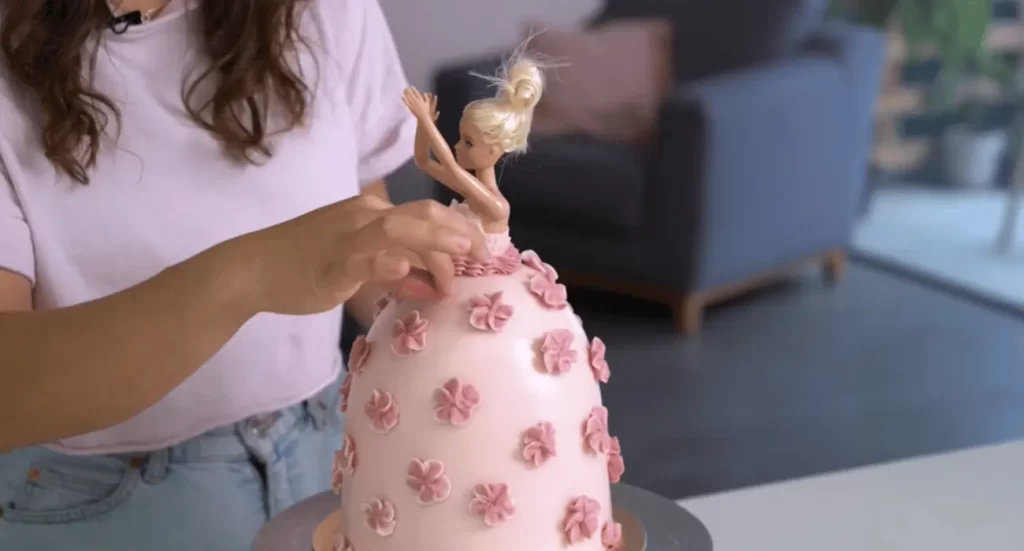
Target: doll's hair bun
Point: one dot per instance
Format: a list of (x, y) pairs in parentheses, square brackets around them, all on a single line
[(524, 84), (505, 119)]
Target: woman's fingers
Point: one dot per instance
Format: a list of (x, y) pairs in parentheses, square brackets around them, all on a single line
[(420, 236), (423, 233), (379, 266), (437, 214), (442, 269)]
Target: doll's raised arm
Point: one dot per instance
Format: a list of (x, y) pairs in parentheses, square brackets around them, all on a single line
[(446, 171)]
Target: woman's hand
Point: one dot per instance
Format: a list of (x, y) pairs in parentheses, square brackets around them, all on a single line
[(318, 261), (422, 105)]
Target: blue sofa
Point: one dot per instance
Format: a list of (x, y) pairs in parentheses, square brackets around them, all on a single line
[(759, 162)]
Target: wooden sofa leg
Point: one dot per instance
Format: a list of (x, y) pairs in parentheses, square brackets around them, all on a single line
[(689, 314), (835, 265)]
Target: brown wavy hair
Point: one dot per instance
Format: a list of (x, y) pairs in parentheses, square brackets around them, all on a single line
[(251, 46)]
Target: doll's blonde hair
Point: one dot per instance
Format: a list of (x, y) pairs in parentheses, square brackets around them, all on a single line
[(506, 119)]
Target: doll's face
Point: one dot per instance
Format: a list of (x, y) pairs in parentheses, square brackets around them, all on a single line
[(472, 152)]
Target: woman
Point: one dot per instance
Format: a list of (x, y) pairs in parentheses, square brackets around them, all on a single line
[(180, 224)]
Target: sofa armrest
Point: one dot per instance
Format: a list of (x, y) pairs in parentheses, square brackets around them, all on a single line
[(456, 87), (861, 52), (768, 163)]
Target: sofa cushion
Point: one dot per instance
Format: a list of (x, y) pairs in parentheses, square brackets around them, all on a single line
[(716, 36), (577, 182), (609, 81)]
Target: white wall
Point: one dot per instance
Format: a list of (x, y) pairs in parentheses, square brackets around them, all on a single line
[(432, 32)]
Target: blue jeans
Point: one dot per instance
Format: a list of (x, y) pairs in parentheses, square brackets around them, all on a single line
[(213, 492)]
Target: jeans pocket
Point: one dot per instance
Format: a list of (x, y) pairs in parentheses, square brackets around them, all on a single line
[(60, 488)]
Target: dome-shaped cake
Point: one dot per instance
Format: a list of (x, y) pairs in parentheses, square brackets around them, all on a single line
[(475, 423)]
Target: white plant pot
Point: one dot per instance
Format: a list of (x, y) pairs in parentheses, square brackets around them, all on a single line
[(972, 158)]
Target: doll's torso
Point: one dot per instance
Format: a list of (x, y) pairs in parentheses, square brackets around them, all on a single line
[(497, 242)]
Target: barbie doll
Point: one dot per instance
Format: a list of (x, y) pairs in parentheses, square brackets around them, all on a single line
[(490, 128)]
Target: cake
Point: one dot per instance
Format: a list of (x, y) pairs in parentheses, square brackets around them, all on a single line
[(475, 422)]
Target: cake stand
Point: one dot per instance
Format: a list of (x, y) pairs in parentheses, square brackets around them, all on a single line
[(650, 523)]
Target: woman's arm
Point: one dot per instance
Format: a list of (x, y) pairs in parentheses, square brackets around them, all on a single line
[(71, 371)]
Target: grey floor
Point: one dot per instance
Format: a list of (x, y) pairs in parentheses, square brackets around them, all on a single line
[(805, 378)]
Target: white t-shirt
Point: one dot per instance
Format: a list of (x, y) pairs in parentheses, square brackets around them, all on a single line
[(165, 191)]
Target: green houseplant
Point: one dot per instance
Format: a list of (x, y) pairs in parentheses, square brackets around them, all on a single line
[(953, 32)]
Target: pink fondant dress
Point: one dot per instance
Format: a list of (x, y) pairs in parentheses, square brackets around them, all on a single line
[(475, 423)]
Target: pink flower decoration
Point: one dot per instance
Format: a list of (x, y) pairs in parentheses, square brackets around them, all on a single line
[(488, 313), (380, 516), (598, 364), (358, 355), (382, 411), (532, 260), (344, 464), (557, 355), (347, 455), (345, 390), (508, 262), (544, 284), (611, 536), (429, 481), (595, 430), (409, 334), (492, 503), (581, 519), (616, 465), (337, 474), (539, 443), (343, 544), (454, 402)]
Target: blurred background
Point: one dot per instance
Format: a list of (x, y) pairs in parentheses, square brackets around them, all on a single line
[(792, 221)]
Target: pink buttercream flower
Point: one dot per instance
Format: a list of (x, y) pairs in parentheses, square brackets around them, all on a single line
[(358, 355), (557, 355), (539, 443), (337, 474), (429, 481), (348, 456), (616, 465), (382, 409), (544, 284), (455, 401), (493, 503), (598, 364), (532, 260), (595, 430), (488, 313), (611, 536), (551, 293), (345, 390), (344, 464), (342, 544), (409, 334), (508, 262), (380, 516), (581, 521)]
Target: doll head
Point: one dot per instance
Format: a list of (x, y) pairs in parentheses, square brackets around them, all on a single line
[(495, 126)]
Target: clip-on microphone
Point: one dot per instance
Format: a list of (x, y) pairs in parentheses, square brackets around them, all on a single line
[(119, 24)]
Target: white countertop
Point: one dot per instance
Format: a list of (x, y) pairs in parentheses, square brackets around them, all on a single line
[(970, 500)]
